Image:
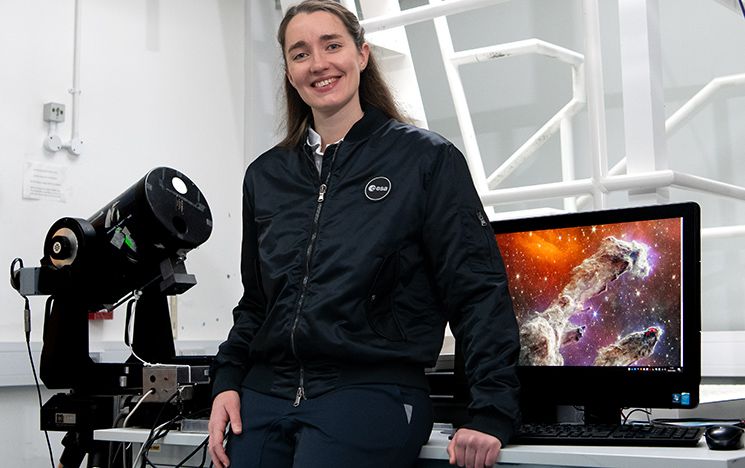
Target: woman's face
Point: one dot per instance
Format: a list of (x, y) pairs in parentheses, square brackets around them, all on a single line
[(324, 64)]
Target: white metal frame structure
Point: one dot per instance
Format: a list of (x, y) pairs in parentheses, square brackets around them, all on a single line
[(647, 176), (561, 121)]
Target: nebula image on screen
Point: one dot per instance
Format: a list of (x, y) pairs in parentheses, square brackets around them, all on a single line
[(604, 295)]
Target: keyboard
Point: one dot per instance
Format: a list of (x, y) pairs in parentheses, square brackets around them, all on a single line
[(608, 434)]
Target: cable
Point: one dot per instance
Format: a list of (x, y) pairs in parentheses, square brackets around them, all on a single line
[(637, 410), (150, 439), (126, 420), (202, 446), (161, 431), (38, 392), (156, 434), (131, 310), (27, 331), (15, 273), (698, 422), (139, 402), (119, 445)]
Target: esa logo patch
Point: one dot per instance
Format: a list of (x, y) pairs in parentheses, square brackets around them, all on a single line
[(378, 188)]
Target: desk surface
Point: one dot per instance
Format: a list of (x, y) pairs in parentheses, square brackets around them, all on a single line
[(547, 455)]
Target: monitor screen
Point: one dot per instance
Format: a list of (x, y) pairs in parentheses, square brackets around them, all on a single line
[(608, 307)]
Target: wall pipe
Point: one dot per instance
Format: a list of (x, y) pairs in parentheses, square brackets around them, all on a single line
[(75, 144)]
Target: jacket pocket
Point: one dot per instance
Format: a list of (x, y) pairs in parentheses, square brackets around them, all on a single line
[(478, 235), (379, 306)]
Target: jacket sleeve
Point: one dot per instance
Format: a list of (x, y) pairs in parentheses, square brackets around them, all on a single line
[(472, 285), (232, 361)]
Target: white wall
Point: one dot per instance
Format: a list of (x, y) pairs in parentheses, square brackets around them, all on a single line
[(163, 83)]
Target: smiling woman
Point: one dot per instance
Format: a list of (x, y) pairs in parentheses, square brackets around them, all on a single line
[(362, 237), (371, 90), (324, 65)]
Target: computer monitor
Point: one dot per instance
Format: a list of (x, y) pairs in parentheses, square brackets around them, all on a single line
[(608, 306)]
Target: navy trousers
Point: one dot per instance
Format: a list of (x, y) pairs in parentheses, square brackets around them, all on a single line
[(360, 426)]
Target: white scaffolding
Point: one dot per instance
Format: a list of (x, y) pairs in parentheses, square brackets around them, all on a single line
[(644, 172)]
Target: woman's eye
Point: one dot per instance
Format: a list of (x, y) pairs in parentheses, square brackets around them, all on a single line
[(334, 46), (299, 56)]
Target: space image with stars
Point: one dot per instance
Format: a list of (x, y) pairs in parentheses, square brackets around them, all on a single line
[(542, 264)]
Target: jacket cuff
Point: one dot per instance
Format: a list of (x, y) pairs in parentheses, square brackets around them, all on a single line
[(227, 378), (493, 424)]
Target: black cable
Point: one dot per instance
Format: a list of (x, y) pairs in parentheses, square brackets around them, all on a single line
[(150, 440), (27, 313), (204, 453), (163, 431), (153, 436), (119, 445), (637, 410), (15, 273), (15, 266), (742, 8), (199, 447), (698, 422)]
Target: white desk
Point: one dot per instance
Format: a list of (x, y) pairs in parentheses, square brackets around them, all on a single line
[(177, 444), (586, 456)]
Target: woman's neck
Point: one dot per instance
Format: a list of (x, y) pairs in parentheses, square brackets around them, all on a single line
[(334, 127)]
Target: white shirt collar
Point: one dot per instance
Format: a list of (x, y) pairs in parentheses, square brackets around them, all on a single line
[(314, 141)]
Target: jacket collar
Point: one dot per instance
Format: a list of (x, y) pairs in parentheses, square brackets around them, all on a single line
[(370, 122)]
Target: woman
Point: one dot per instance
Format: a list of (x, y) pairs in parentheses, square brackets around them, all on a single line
[(363, 236)]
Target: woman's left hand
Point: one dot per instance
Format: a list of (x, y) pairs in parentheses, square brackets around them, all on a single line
[(473, 449)]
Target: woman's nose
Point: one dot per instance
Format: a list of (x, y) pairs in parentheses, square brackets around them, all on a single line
[(318, 62)]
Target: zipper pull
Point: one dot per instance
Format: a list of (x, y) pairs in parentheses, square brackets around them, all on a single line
[(481, 218), (299, 396), (321, 193)]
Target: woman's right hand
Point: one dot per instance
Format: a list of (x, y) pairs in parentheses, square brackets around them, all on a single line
[(226, 408)]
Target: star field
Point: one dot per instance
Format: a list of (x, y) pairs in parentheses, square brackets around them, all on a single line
[(539, 264)]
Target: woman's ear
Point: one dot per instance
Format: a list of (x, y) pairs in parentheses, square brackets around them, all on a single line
[(364, 55)]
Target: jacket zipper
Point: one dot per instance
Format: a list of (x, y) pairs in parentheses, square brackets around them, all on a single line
[(481, 218), (300, 393)]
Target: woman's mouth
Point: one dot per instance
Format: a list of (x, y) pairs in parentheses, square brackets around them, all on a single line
[(322, 83)]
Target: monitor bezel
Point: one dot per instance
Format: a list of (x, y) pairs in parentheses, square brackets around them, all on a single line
[(617, 387)]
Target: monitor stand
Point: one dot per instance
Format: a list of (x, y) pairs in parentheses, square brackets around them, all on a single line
[(602, 415), (533, 412)]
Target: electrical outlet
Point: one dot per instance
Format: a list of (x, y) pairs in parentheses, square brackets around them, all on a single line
[(54, 112)]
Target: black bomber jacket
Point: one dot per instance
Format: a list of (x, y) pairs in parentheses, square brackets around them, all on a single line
[(350, 276)]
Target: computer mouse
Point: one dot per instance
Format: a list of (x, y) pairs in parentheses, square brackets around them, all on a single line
[(724, 437)]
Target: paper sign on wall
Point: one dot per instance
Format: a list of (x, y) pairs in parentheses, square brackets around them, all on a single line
[(43, 181)]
